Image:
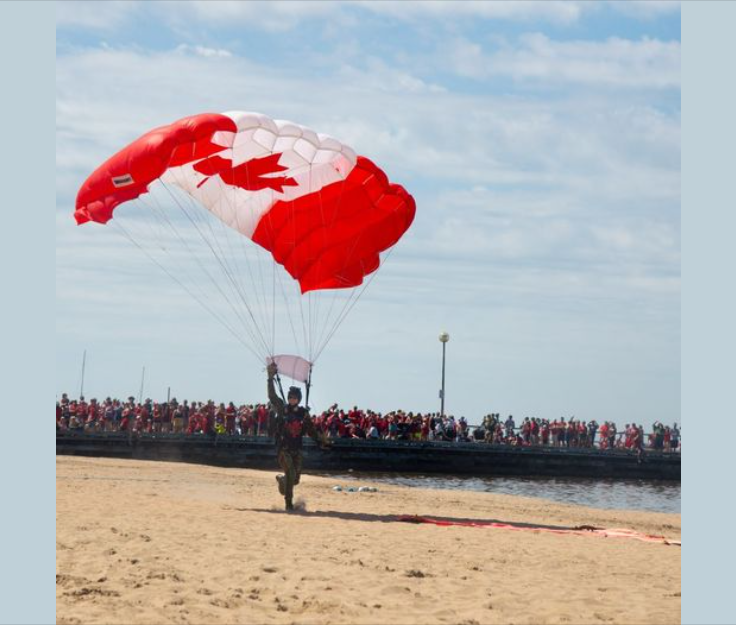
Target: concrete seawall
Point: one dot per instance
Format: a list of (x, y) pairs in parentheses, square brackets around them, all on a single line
[(375, 456)]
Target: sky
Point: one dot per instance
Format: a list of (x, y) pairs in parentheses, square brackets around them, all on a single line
[(541, 142)]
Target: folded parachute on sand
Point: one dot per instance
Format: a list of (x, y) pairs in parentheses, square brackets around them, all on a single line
[(588, 531)]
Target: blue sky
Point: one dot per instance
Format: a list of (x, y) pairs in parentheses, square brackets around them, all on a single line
[(540, 140)]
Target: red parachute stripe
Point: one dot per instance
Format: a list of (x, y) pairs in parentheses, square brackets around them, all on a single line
[(331, 239), (589, 531), (127, 174)]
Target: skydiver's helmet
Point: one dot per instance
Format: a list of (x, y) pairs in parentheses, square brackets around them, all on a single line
[(294, 392)]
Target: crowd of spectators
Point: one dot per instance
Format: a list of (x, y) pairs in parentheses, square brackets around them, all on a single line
[(253, 420)]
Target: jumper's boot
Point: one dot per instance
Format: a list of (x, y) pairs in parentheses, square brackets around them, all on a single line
[(280, 481), (289, 504)]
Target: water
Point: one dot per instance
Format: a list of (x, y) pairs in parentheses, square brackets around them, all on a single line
[(638, 495)]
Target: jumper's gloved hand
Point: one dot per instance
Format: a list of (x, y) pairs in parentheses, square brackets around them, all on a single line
[(272, 369)]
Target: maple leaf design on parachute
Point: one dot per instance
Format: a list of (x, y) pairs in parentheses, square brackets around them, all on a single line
[(250, 175)]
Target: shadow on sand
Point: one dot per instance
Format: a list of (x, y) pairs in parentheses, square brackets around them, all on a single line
[(389, 519)]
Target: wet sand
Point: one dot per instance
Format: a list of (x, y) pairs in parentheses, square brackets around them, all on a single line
[(159, 543)]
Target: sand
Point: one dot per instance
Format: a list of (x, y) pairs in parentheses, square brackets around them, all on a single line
[(167, 543)]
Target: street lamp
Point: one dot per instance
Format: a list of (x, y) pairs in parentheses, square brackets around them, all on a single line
[(444, 338)]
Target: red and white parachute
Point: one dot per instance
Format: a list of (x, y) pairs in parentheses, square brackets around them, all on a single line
[(316, 210)]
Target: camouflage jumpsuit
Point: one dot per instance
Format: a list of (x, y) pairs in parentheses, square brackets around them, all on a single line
[(288, 427)]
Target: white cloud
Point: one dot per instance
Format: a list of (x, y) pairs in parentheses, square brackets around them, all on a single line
[(98, 16), (646, 9), (268, 16), (282, 16), (547, 10), (643, 64), (204, 51)]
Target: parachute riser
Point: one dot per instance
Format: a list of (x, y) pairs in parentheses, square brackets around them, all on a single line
[(309, 386), (281, 389)]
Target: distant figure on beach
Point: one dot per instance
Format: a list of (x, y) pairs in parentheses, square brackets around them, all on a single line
[(291, 423)]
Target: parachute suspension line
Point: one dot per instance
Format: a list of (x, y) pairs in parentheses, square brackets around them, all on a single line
[(309, 315), (335, 292), (229, 232), (233, 285), (297, 287), (273, 308), (218, 257), (262, 293), (349, 306), (232, 264), (160, 215), (362, 291), (165, 219), (287, 304), (323, 325), (233, 276), (220, 319), (334, 321), (313, 315)]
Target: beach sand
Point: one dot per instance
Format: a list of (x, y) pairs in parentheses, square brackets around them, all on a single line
[(168, 543)]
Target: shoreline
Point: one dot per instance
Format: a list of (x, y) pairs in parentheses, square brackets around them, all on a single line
[(156, 542), (516, 486)]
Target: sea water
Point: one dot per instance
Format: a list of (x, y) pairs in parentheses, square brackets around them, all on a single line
[(641, 495)]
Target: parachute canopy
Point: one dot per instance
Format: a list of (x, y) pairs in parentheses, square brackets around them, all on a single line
[(322, 212)]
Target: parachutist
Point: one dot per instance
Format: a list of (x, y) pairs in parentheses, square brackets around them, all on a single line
[(291, 423)]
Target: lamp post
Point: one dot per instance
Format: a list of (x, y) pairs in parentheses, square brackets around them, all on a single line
[(444, 338)]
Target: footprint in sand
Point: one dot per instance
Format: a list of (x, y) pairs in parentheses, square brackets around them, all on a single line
[(65, 580), (90, 592)]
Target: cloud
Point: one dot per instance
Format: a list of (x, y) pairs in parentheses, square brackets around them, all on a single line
[(105, 16), (273, 17), (552, 11), (646, 9), (279, 17), (203, 51), (284, 16), (615, 62)]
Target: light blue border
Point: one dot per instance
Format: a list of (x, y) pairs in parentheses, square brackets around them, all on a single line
[(27, 43), (708, 310), (27, 200)]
